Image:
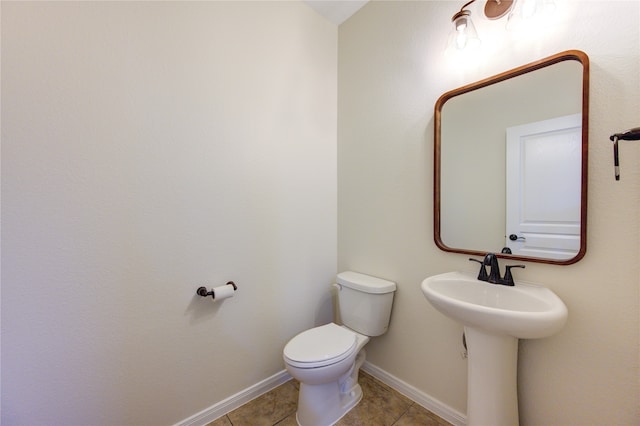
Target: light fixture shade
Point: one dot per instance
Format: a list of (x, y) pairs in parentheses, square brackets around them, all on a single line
[(463, 35), (527, 13)]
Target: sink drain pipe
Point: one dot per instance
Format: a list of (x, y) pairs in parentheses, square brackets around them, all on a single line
[(464, 353)]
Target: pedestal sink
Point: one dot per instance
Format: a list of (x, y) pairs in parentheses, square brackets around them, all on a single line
[(494, 318)]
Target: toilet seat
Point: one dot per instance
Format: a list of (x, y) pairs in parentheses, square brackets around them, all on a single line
[(320, 346)]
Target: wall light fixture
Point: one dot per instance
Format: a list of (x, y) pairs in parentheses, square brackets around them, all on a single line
[(464, 37)]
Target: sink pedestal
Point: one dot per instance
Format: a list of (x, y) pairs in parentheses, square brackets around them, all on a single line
[(494, 318), (492, 394)]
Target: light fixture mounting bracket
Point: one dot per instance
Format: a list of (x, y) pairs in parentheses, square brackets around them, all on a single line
[(496, 9)]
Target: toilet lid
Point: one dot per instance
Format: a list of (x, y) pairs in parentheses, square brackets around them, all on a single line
[(322, 345)]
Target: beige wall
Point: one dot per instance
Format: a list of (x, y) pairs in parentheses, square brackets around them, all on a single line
[(391, 72), (148, 149)]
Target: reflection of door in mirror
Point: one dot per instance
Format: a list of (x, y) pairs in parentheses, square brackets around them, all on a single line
[(543, 188), (470, 160)]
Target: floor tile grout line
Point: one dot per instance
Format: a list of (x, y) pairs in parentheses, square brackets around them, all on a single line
[(403, 414)]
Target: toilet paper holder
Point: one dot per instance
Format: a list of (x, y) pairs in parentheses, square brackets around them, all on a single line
[(202, 291)]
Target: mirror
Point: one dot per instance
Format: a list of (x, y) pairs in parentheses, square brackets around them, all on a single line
[(510, 163)]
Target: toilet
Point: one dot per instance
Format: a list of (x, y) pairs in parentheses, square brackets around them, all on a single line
[(326, 359)]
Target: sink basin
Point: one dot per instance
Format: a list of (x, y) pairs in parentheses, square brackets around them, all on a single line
[(524, 311), (494, 318)]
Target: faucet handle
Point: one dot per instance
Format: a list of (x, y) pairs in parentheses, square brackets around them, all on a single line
[(508, 278), (482, 275)]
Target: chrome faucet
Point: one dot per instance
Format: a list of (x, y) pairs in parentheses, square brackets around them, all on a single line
[(494, 277)]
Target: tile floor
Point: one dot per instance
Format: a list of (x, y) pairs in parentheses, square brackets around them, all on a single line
[(380, 406)]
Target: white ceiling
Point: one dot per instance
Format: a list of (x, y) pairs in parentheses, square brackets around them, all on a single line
[(336, 11)]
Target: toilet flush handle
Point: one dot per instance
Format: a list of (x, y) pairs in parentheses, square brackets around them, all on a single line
[(336, 286)]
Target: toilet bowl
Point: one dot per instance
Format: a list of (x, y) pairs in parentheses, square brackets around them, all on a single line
[(326, 359)]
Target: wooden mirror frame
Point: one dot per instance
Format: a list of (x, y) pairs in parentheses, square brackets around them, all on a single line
[(569, 55)]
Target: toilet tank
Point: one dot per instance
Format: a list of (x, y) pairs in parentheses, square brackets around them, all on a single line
[(364, 302)]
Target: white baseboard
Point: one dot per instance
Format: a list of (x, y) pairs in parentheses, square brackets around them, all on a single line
[(223, 407), (436, 407)]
